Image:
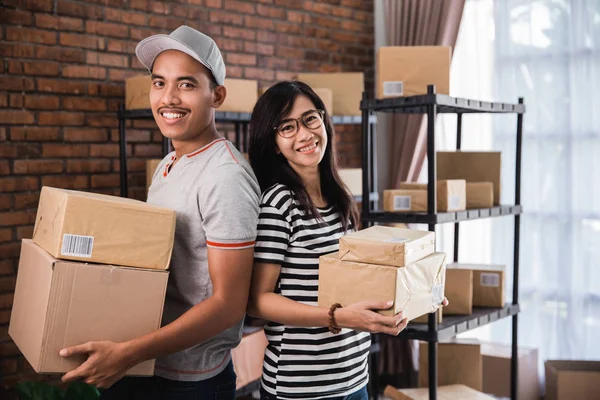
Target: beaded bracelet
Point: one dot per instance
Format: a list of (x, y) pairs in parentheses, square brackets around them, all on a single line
[(333, 328)]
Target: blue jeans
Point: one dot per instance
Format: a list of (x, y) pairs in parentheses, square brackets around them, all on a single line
[(220, 387), (360, 394)]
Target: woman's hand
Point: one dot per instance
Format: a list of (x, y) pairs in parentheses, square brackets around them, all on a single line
[(362, 316)]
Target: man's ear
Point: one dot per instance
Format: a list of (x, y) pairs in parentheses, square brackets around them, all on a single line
[(219, 95)]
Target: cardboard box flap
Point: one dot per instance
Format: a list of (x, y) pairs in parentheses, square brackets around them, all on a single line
[(448, 392), (478, 267)]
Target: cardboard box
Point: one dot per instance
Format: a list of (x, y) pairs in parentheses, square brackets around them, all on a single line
[(92, 227), (472, 166), (248, 357), (424, 319), (137, 92), (151, 166), (480, 195), (347, 89), (488, 283), (384, 245), (566, 380), (459, 362), (496, 360), (451, 194), (352, 178), (326, 96), (416, 289), (449, 392), (402, 200), (459, 291), (64, 303), (408, 70)]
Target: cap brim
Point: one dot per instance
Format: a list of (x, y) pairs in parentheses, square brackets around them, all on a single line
[(148, 49)]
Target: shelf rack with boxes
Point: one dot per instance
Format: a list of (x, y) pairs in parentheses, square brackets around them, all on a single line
[(432, 104)]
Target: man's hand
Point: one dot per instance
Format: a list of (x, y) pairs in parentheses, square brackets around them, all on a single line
[(106, 364)]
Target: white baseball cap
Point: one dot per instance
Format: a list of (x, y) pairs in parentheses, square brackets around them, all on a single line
[(189, 41)]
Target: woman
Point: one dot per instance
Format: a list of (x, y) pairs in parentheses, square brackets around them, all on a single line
[(313, 352)]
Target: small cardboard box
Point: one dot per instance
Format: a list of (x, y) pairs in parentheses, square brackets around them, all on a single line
[(137, 92), (65, 303), (92, 227), (451, 194), (480, 195), (416, 289), (459, 291), (408, 70), (424, 319), (472, 166), (384, 245), (488, 283), (347, 89), (248, 357), (352, 178), (151, 166), (570, 379), (459, 362), (326, 96), (449, 392), (404, 200), (496, 371)]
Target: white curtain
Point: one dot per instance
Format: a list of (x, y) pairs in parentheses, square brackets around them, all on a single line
[(547, 51)]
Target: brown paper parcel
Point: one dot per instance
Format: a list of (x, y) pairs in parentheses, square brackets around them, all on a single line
[(451, 193), (448, 392), (401, 200), (416, 289), (92, 227), (459, 362), (488, 283), (384, 245), (459, 291)]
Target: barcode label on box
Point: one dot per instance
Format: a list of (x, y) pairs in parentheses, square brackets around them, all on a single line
[(490, 279), (393, 88), (454, 202), (77, 245), (401, 203), (437, 293)]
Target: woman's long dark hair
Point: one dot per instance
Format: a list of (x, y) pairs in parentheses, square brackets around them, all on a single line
[(271, 168)]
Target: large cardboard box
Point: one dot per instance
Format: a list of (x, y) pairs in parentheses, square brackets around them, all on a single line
[(352, 178), (137, 92), (64, 303), (248, 357), (449, 392), (480, 195), (496, 360), (570, 379), (488, 283), (416, 289), (347, 89), (408, 70), (459, 291), (151, 166), (92, 227), (459, 362), (451, 194), (326, 96), (404, 200), (384, 245), (472, 166)]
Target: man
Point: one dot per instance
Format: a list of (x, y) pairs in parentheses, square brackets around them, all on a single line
[(215, 195)]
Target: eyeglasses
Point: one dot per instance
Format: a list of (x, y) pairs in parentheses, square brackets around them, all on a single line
[(311, 119)]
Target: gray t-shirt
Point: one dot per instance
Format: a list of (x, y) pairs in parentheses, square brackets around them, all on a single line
[(215, 196)]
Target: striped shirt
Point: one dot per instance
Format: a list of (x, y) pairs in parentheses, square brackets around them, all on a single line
[(306, 362)]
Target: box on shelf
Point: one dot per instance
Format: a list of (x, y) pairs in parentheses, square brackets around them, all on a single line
[(248, 357), (496, 360), (416, 289), (151, 166), (326, 96), (451, 194), (473, 166), (404, 200), (408, 70), (448, 392), (97, 228), (65, 303), (352, 178), (384, 245), (459, 291), (480, 195), (137, 92), (424, 319), (347, 89), (488, 283), (459, 362), (571, 379)]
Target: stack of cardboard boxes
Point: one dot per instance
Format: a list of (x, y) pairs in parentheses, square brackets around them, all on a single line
[(96, 269)]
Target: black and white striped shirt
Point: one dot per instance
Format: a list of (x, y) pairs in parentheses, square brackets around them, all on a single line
[(307, 362)]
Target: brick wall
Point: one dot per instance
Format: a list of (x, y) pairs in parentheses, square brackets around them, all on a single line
[(62, 71)]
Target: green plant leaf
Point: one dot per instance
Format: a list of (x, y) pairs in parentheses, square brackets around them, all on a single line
[(81, 391), (37, 391)]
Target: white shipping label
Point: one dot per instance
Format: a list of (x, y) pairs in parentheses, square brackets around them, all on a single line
[(453, 202), (437, 294), (402, 203), (490, 279), (393, 88), (77, 245)]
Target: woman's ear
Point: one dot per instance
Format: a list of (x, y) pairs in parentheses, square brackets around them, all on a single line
[(218, 96)]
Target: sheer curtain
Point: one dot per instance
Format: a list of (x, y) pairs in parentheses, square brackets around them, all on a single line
[(547, 51)]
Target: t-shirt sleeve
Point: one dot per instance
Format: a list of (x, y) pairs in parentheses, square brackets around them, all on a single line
[(274, 228), (228, 202)]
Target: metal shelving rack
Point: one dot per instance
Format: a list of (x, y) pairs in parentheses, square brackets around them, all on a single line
[(432, 104)]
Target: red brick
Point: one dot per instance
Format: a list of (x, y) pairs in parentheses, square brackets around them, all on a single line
[(349, 25), (110, 60), (6, 268), (271, 12), (102, 120), (16, 117), (141, 33), (148, 150), (112, 90), (289, 52), (41, 68), (190, 13), (9, 349), (259, 48), (30, 35), (127, 17), (41, 102), (39, 5), (17, 218), (159, 7), (7, 284), (338, 11), (5, 316), (83, 71), (78, 40), (105, 180), (83, 104), (329, 46), (15, 17), (223, 17), (61, 150), (70, 55), (2, 133), (214, 3), (145, 124), (290, 28), (61, 118), (104, 150), (273, 63), (66, 181), (3, 100), (241, 59), (61, 23), (34, 133), (6, 299), (302, 41), (289, 3), (8, 366), (139, 4), (4, 168), (133, 165), (121, 46), (37, 167), (17, 100), (267, 37), (88, 166), (26, 200), (24, 232), (259, 23), (61, 86), (107, 29), (243, 7), (285, 76), (73, 9), (6, 235), (17, 50), (85, 135), (239, 33)]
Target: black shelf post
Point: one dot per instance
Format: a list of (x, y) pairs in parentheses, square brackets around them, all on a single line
[(458, 147), (123, 152), (366, 164)]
